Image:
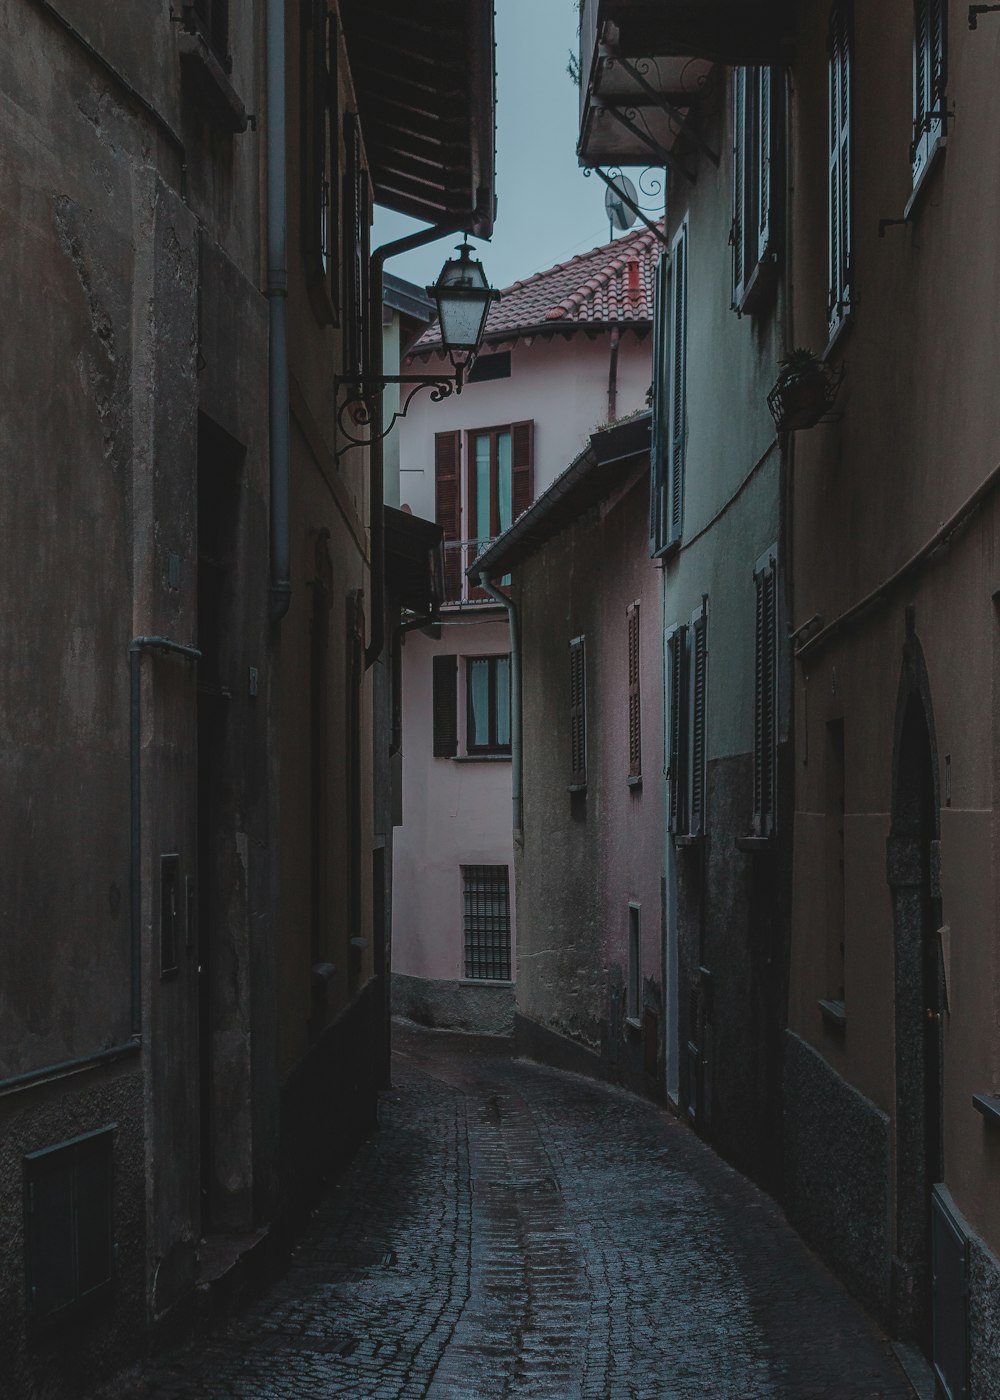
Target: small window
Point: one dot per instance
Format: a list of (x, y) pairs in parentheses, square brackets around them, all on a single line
[(765, 696), (69, 1231), (634, 697), (930, 37), (578, 714), (488, 705), (840, 62), (634, 990), (486, 922), (754, 184), (669, 399)]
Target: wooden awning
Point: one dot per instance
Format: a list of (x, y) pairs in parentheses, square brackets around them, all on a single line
[(424, 79), (734, 32)]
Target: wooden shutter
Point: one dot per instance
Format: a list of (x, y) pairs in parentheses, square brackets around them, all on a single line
[(765, 697), (634, 714), (522, 466), (676, 691), (578, 712), (697, 747), (839, 163), (660, 445), (929, 50), (448, 508), (738, 233), (356, 253), (445, 706), (678, 388), (765, 163)]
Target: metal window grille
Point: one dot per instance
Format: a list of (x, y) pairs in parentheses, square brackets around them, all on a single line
[(486, 898)]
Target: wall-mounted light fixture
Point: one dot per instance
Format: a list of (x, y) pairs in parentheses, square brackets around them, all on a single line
[(463, 298)]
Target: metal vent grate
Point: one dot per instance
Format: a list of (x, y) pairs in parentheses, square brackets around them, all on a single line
[(486, 901)]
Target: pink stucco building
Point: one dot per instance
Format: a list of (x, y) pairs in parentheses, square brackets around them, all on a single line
[(566, 350)]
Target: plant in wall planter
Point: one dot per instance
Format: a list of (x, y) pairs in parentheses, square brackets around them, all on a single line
[(805, 391)]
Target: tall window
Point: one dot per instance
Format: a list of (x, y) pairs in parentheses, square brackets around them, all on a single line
[(669, 398), (500, 472), (685, 724), (634, 703), (841, 273), (486, 922), (320, 157), (488, 705), (930, 38), (765, 696), (754, 184)]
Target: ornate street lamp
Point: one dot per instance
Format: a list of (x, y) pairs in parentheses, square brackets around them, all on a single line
[(463, 298)]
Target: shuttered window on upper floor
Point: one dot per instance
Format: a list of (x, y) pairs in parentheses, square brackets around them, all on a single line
[(320, 193), (669, 398), (634, 705), (578, 714), (357, 233), (444, 706), (930, 39), (675, 725), (765, 695), (755, 186), (841, 271)]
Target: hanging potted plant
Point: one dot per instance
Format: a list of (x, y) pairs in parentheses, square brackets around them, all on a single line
[(805, 390)]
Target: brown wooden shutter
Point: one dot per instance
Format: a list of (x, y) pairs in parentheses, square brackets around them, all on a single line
[(634, 729), (445, 706), (522, 462), (448, 508), (699, 695), (677, 728), (578, 712)]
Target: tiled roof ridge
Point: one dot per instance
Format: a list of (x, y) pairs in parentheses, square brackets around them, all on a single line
[(638, 244), (638, 236)]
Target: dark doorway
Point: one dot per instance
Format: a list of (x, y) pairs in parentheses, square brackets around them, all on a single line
[(219, 476), (919, 1001)]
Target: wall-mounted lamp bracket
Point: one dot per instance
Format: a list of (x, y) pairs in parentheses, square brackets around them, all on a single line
[(360, 406)]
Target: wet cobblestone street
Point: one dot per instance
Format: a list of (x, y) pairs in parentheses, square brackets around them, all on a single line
[(515, 1233)]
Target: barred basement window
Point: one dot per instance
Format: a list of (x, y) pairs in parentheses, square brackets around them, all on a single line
[(930, 37), (486, 922), (765, 696), (69, 1225)]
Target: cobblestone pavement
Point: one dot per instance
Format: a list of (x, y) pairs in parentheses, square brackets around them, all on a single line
[(515, 1233)]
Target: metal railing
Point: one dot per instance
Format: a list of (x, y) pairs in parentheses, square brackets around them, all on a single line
[(459, 555)]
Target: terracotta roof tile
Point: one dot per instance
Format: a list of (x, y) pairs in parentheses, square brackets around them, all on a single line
[(610, 285)]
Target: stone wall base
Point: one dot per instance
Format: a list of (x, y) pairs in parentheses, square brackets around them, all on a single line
[(479, 1008)]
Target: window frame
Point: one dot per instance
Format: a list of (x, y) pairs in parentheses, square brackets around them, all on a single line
[(492, 746), (471, 494)]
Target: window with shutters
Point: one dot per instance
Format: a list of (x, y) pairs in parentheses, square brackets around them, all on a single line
[(357, 229), (930, 38), (69, 1225), (320, 137), (445, 706), (634, 705), (697, 727), (578, 714), (765, 734), (755, 185), (487, 705), (669, 398), (499, 486), (676, 715), (486, 922), (841, 272)]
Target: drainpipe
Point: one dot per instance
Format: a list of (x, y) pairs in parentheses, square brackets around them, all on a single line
[(515, 706), (277, 305), (376, 487), (613, 376)]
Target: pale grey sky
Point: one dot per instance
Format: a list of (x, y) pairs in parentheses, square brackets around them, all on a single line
[(546, 210)]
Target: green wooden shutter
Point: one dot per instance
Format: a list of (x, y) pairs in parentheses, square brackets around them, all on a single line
[(697, 741), (578, 712), (445, 706)]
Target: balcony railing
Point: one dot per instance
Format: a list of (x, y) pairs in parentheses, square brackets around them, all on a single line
[(459, 555)]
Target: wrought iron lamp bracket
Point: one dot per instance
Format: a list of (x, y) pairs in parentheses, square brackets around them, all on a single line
[(360, 406)]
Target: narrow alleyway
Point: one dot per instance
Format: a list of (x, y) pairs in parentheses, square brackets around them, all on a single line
[(517, 1232)]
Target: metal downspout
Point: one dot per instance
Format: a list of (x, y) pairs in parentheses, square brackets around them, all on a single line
[(516, 761), (376, 485), (277, 305)]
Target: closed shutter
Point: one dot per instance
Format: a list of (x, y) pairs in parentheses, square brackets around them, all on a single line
[(929, 78), (522, 467), (676, 727), (839, 163), (765, 176), (660, 445), (678, 373), (738, 233), (356, 250), (578, 712), (765, 697), (699, 689), (448, 508), (634, 708), (445, 706)]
